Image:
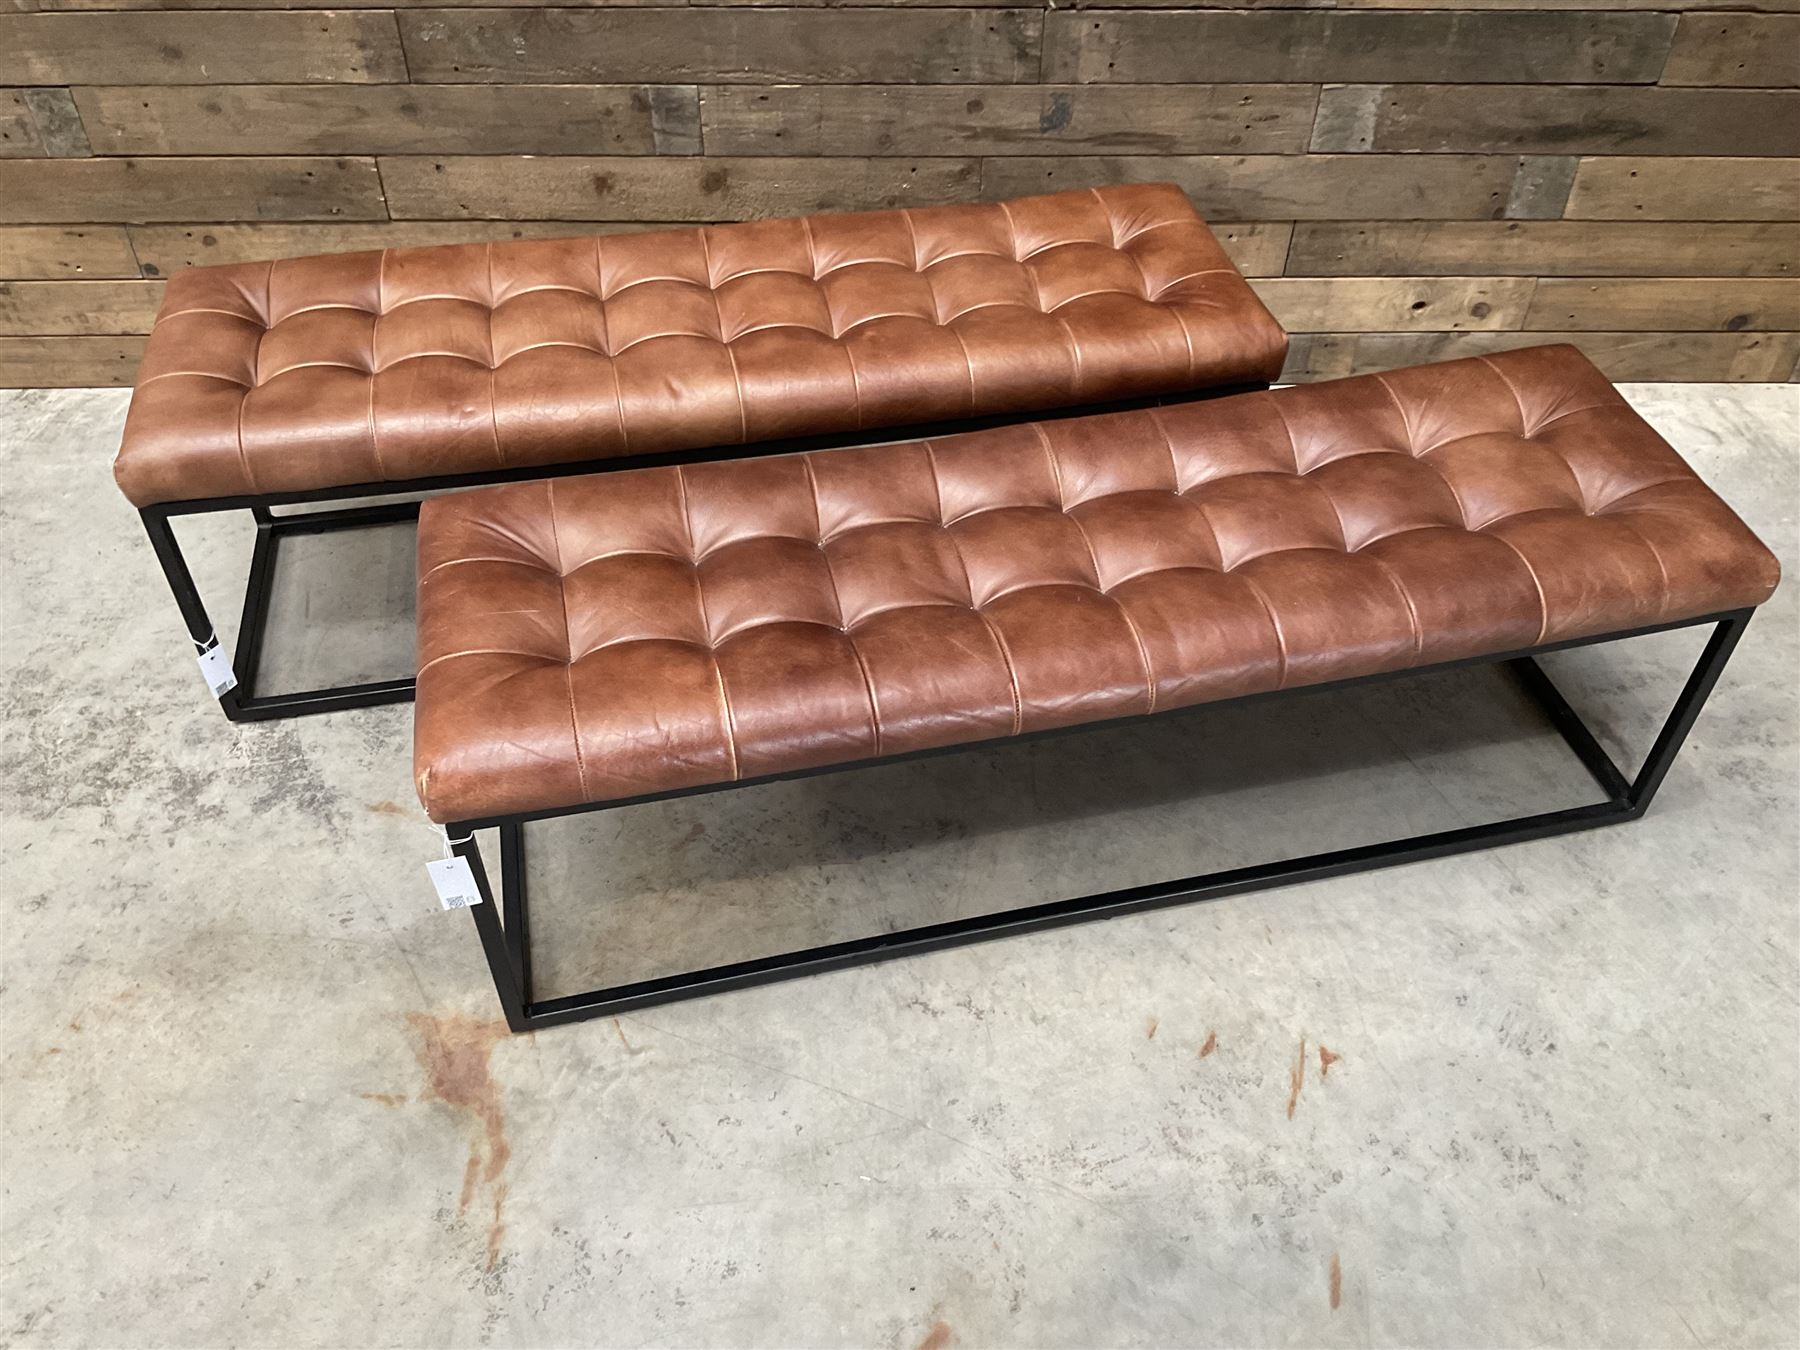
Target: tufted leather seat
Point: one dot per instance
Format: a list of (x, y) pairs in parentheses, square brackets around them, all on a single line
[(590, 639), (317, 373)]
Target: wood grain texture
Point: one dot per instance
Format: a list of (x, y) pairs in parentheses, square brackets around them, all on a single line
[(299, 47), (19, 137), (392, 119), (1547, 6), (162, 249), (449, 187), (1007, 119), (1760, 50), (723, 45), (1633, 188), (1558, 119), (136, 190), (1622, 356), (1396, 304), (1256, 249), (1543, 248), (1362, 47), (65, 252), (68, 362), (45, 308), (1284, 187), (1726, 304)]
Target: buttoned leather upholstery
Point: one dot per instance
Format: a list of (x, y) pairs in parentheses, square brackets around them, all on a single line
[(318, 373), (594, 638)]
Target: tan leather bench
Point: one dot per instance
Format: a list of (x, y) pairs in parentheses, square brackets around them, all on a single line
[(329, 378), (588, 642)]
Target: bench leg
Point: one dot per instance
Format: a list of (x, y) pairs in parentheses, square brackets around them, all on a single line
[(244, 704), (505, 939)]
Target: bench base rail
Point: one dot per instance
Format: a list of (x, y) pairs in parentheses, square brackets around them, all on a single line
[(505, 934), (245, 704)]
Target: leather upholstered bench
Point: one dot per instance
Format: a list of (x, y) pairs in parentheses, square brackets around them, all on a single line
[(357, 375), (587, 643)]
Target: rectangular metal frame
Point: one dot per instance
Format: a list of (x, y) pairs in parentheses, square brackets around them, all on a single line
[(246, 704), (505, 934)]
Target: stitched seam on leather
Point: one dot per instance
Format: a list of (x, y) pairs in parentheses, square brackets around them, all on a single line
[(1074, 352), (437, 567), (562, 598), (1112, 224), (1131, 625), (1012, 674), (1294, 449), (1412, 615), (1663, 608), (1530, 571), (1518, 400), (913, 235), (488, 651), (211, 309), (493, 371), (1406, 422), (731, 356), (712, 654), (374, 360), (1281, 647)]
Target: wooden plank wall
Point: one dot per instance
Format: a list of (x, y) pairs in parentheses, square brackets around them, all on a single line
[(1404, 179)]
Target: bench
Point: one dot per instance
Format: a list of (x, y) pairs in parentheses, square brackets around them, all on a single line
[(345, 377), (589, 643)]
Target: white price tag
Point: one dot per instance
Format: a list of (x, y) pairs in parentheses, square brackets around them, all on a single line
[(215, 665), (455, 884)]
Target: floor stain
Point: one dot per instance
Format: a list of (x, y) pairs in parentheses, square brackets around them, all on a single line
[(1326, 1059), (1297, 1079), (1210, 1044), (454, 1051), (385, 1098), (938, 1337), (1337, 1282), (389, 809), (1150, 1025)]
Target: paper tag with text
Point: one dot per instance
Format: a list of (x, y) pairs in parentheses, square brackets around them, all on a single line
[(455, 883), (215, 665)]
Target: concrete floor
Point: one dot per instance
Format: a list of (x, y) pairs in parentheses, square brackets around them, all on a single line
[(255, 1091)]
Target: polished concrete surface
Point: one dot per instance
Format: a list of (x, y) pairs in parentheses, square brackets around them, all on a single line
[(254, 1089)]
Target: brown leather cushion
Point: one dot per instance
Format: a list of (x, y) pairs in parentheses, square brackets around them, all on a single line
[(595, 638), (411, 363)]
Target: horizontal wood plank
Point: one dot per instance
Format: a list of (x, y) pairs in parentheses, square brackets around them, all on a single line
[(1007, 120), (44, 308), (53, 252), (140, 190), (163, 249), (69, 362), (1292, 187), (1670, 304), (449, 187), (1760, 50), (1552, 119), (19, 137), (1543, 248), (1622, 356), (228, 47), (1364, 47), (1395, 304), (392, 119), (1256, 249), (1633, 188), (723, 45)]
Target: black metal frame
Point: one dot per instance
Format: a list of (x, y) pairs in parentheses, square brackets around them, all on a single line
[(505, 935), (245, 704)]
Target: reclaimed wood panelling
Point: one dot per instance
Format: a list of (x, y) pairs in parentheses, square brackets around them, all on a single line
[(1008, 119), (1285, 187), (1363, 47), (1761, 50), (448, 187), (724, 45), (222, 48), (1729, 304), (68, 362), (1582, 248), (1558, 119), (480, 119), (59, 252), (55, 190), (1629, 188), (1403, 179), (1623, 356), (162, 249), (42, 308)]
